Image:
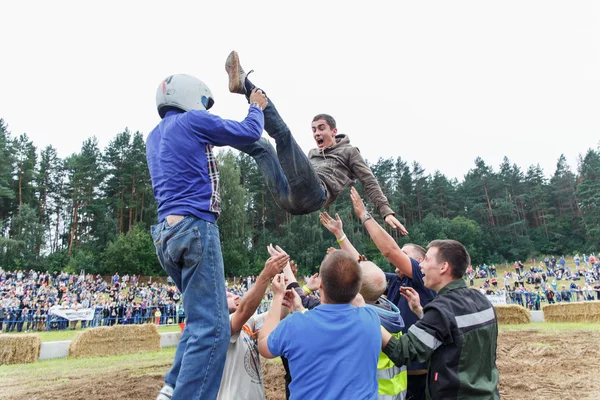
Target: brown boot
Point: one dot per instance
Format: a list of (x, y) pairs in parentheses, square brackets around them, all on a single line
[(236, 73)]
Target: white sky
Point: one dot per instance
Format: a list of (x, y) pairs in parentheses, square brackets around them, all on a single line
[(440, 82)]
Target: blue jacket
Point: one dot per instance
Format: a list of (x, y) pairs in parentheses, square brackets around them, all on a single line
[(184, 173), (388, 314)]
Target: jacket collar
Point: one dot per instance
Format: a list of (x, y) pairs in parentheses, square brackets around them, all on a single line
[(455, 284)]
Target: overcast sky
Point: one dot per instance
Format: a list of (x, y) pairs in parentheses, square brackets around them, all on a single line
[(439, 82)]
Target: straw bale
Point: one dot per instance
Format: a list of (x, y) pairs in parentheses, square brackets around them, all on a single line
[(120, 339), (588, 311), (19, 349), (512, 314)]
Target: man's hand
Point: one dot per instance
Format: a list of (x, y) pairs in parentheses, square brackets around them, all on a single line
[(275, 264), (334, 226), (278, 285), (357, 204), (294, 268), (258, 97), (412, 297), (331, 250), (273, 251), (394, 223), (293, 300), (314, 282)]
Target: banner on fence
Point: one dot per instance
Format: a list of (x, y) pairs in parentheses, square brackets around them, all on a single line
[(496, 299), (84, 314)]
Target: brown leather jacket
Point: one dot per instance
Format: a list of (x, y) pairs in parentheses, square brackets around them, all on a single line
[(340, 166)]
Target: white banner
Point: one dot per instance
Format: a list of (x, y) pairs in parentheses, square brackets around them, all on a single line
[(84, 314), (496, 299)]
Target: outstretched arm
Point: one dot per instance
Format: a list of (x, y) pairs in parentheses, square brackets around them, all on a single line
[(335, 226), (273, 316), (384, 242), (252, 299), (360, 168), (287, 269)]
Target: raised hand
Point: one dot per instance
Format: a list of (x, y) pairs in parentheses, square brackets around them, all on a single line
[(357, 204), (294, 268), (394, 223), (334, 226), (275, 250), (413, 299), (278, 285), (314, 282), (275, 264), (292, 298)]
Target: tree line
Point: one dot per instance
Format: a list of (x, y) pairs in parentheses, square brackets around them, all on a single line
[(93, 210)]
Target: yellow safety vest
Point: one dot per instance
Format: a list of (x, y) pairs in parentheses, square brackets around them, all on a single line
[(392, 380)]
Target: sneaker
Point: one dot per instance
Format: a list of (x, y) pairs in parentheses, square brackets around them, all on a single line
[(165, 393), (236, 73)]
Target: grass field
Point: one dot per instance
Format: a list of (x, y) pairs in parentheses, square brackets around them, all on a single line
[(539, 352)]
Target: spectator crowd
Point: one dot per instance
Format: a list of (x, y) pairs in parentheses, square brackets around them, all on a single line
[(549, 281), (29, 300)]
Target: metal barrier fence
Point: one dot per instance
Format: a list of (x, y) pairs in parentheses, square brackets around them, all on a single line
[(16, 321), (533, 300)]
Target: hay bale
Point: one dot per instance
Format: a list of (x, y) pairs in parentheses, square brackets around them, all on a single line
[(19, 349), (588, 311), (512, 314), (120, 339)]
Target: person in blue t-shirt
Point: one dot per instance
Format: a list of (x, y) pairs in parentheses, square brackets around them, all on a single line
[(346, 338), (185, 181)]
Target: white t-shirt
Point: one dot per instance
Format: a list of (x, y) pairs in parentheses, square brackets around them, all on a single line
[(242, 376)]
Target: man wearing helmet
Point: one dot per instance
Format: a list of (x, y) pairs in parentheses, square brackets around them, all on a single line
[(301, 184), (185, 181)]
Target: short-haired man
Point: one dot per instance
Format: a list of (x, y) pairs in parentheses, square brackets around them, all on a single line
[(242, 376), (331, 331), (392, 380), (301, 184), (457, 333)]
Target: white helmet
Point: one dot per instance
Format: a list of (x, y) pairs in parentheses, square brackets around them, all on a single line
[(184, 92)]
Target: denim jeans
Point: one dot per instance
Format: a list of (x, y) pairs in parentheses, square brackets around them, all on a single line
[(190, 253), (289, 175)]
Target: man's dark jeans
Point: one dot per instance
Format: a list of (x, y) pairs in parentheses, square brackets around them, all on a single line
[(290, 177)]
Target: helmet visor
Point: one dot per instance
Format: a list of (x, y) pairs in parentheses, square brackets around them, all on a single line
[(207, 102)]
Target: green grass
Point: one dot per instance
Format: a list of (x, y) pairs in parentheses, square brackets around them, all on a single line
[(55, 336)]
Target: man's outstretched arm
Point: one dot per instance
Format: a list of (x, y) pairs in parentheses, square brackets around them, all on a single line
[(364, 174), (384, 242), (273, 316), (252, 299), (335, 226)]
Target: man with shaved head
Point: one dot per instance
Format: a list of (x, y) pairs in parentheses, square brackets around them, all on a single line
[(392, 380), (329, 331)]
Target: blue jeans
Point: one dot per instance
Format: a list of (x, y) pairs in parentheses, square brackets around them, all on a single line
[(289, 175), (190, 252)]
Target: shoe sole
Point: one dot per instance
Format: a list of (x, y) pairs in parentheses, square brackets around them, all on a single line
[(232, 66)]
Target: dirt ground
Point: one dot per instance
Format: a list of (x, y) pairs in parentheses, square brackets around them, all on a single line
[(532, 365)]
